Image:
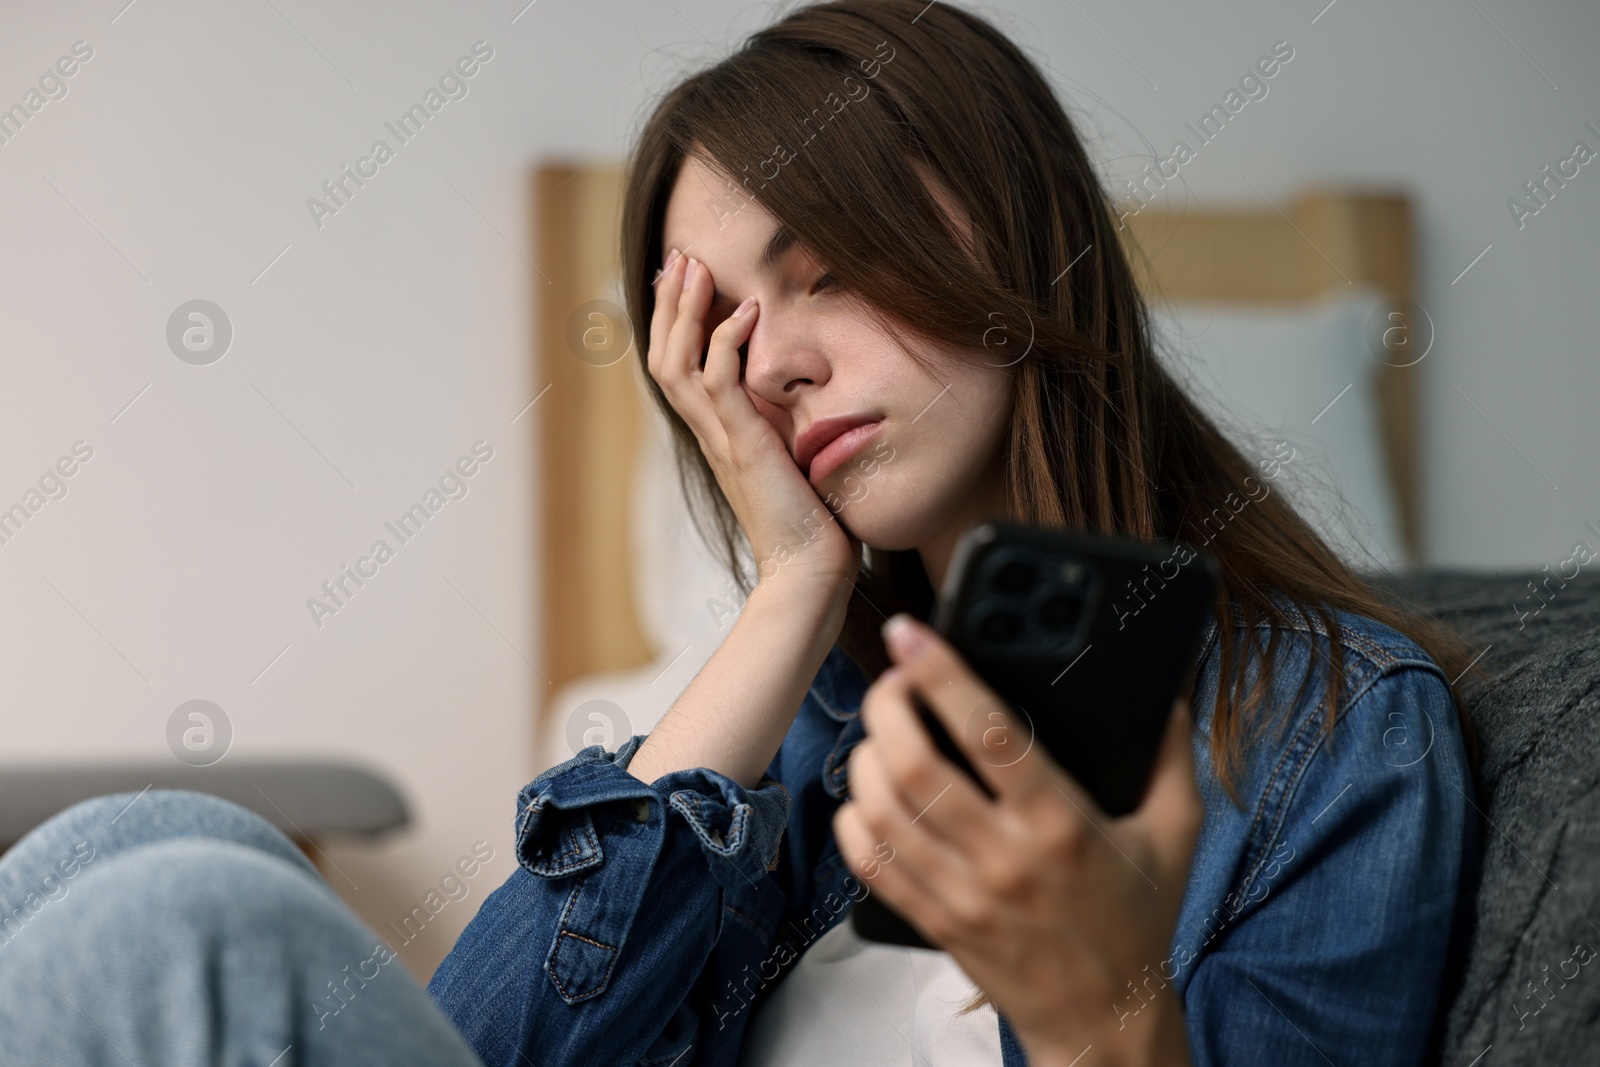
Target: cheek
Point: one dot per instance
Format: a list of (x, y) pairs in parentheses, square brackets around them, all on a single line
[(778, 418), (970, 423), (1001, 409), (990, 388), (987, 420)]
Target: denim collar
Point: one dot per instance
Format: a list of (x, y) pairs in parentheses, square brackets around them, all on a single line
[(838, 689), (839, 686)]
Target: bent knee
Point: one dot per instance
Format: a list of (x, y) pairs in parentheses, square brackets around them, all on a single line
[(118, 822), (188, 895)]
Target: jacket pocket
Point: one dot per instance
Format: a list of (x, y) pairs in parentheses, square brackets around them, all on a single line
[(579, 964)]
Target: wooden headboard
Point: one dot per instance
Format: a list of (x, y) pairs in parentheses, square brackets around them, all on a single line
[(592, 408)]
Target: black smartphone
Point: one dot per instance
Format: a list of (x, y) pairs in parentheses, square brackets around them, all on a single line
[(1088, 639)]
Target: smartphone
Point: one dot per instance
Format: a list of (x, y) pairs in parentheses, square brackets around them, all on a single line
[(1088, 639)]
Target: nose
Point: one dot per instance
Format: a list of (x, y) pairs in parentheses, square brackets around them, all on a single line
[(783, 356)]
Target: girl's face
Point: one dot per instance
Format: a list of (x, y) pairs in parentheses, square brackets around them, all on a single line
[(933, 466)]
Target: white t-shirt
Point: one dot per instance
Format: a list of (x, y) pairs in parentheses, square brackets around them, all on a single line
[(850, 1001)]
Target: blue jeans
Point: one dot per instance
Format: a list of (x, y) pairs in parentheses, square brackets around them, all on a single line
[(176, 929)]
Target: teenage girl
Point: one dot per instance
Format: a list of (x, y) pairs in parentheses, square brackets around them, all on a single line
[(887, 299)]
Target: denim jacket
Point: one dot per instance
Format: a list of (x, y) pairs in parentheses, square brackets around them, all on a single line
[(646, 922)]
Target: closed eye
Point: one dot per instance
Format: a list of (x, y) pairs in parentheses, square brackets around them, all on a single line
[(827, 281)]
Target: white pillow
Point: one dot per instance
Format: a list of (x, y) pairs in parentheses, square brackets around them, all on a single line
[(1269, 375)]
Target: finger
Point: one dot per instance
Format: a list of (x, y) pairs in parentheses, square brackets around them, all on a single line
[(986, 730), (679, 369), (668, 284), (667, 264), (686, 341), (717, 388), (1173, 810), (883, 871), (864, 855), (941, 796), (931, 861), (722, 374)]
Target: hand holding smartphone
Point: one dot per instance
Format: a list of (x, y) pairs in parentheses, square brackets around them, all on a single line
[(1088, 639)]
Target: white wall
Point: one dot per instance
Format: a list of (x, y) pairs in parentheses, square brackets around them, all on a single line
[(379, 347)]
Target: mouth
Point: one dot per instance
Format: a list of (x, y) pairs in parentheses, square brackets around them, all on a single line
[(828, 444)]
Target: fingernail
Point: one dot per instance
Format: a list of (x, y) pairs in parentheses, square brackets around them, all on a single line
[(693, 266), (901, 632), (749, 302), (666, 265)]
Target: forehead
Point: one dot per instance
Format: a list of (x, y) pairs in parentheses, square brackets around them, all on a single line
[(714, 220)]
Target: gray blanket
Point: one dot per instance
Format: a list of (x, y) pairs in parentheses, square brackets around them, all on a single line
[(1529, 990)]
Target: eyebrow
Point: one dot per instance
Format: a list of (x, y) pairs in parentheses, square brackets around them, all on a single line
[(781, 241)]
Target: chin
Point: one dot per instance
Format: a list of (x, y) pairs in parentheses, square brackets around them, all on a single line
[(890, 520)]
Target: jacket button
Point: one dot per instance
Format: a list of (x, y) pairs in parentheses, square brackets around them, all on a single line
[(641, 811)]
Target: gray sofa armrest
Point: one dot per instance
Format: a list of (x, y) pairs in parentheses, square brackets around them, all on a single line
[(309, 800)]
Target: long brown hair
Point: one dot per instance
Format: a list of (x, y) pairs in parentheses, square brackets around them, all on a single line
[(835, 120)]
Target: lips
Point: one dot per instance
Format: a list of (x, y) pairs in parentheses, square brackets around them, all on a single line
[(823, 432)]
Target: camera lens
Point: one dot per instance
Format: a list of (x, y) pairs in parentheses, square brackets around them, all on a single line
[(1015, 576), (1060, 611), (1000, 625)]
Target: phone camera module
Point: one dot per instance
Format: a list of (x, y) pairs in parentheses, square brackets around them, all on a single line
[(1015, 577), (1000, 624), (1060, 611), (1029, 603)]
